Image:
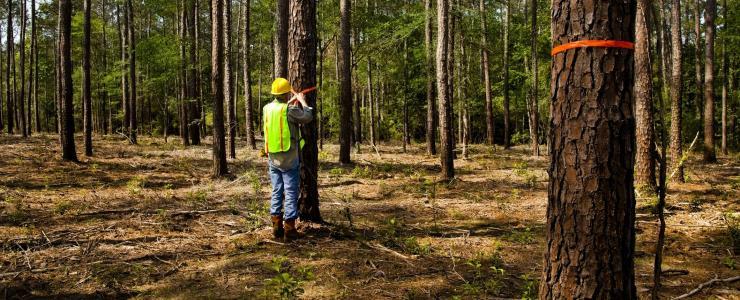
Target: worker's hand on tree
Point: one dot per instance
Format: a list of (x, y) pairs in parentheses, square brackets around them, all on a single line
[(301, 98)]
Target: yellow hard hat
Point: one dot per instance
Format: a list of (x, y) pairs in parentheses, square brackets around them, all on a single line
[(280, 86)]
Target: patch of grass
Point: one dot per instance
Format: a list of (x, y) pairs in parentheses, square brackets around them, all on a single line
[(197, 198), (412, 245), (525, 236), (254, 181), (362, 172), (136, 185), (529, 290), (16, 212), (488, 275), (336, 172), (62, 207)]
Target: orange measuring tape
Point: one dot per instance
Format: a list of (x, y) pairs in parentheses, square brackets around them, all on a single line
[(592, 43), (306, 91)]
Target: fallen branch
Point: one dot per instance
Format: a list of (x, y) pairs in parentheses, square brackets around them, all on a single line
[(707, 284), (385, 249)]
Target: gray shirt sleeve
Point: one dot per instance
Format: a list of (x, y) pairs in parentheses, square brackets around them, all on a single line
[(300, 115)]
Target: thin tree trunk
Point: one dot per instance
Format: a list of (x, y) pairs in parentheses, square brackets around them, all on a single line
[(344, 74), (431, 104), (645, 161), (186, 87), (486, 75), (34, 67), (230, 102), (319, 97), (67, 89), (194, 100), (248, 113), (281, 39), (507, 129), (443, 90), (725, 76), (132, 71), (591, 203), (370, 100), (709, 13), (9, 51), (107, 110), (86, 97), (220, 167), (534, 122), (405, 96), (302, 66), (24, 126), (676, 92), (122, 34), (697, 59)]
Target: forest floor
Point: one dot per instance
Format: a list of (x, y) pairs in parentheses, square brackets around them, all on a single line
[(147, 221)]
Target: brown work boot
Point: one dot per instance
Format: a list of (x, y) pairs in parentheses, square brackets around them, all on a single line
[(291, 233), (277, 226)]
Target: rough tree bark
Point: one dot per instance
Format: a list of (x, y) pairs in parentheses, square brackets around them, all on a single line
[(86, 97), (122, 34), (345, 82), (302, 66), (281, 39), (710, 11), (247, 70), (591, 202), (217, 87), (443, 91), (67, 89), (431, 104), (725, 76), (645, 159), (676, 90), (371, 100)]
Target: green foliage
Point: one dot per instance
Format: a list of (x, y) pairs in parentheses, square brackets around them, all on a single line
[(286, 284), (529, 290), (732, 221), (136, 185), (519, 236)]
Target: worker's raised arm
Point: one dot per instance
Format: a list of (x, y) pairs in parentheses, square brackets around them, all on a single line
[(301, 114)]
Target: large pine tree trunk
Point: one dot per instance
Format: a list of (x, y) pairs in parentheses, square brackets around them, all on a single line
[(67, 100), (230, 102), (534, 122), (133, 122), (645, 160), (217, 87), (507, 128), (486, 75), (591, 202), (431, 104), (345, 82), (86, 97), (676, 90), (709, 13), (247, 70), (302, 66), (281, 39), (443, 91)]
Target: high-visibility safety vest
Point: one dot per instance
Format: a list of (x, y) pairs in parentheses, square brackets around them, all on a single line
[(276, 128)]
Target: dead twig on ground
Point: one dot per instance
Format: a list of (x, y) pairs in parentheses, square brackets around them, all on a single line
[(391, 251), (707, 284)]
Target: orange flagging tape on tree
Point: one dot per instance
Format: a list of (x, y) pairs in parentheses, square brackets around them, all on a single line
[(592, 43), (306, 91)]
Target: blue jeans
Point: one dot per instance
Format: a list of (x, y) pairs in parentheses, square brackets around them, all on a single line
[(285, 185)]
